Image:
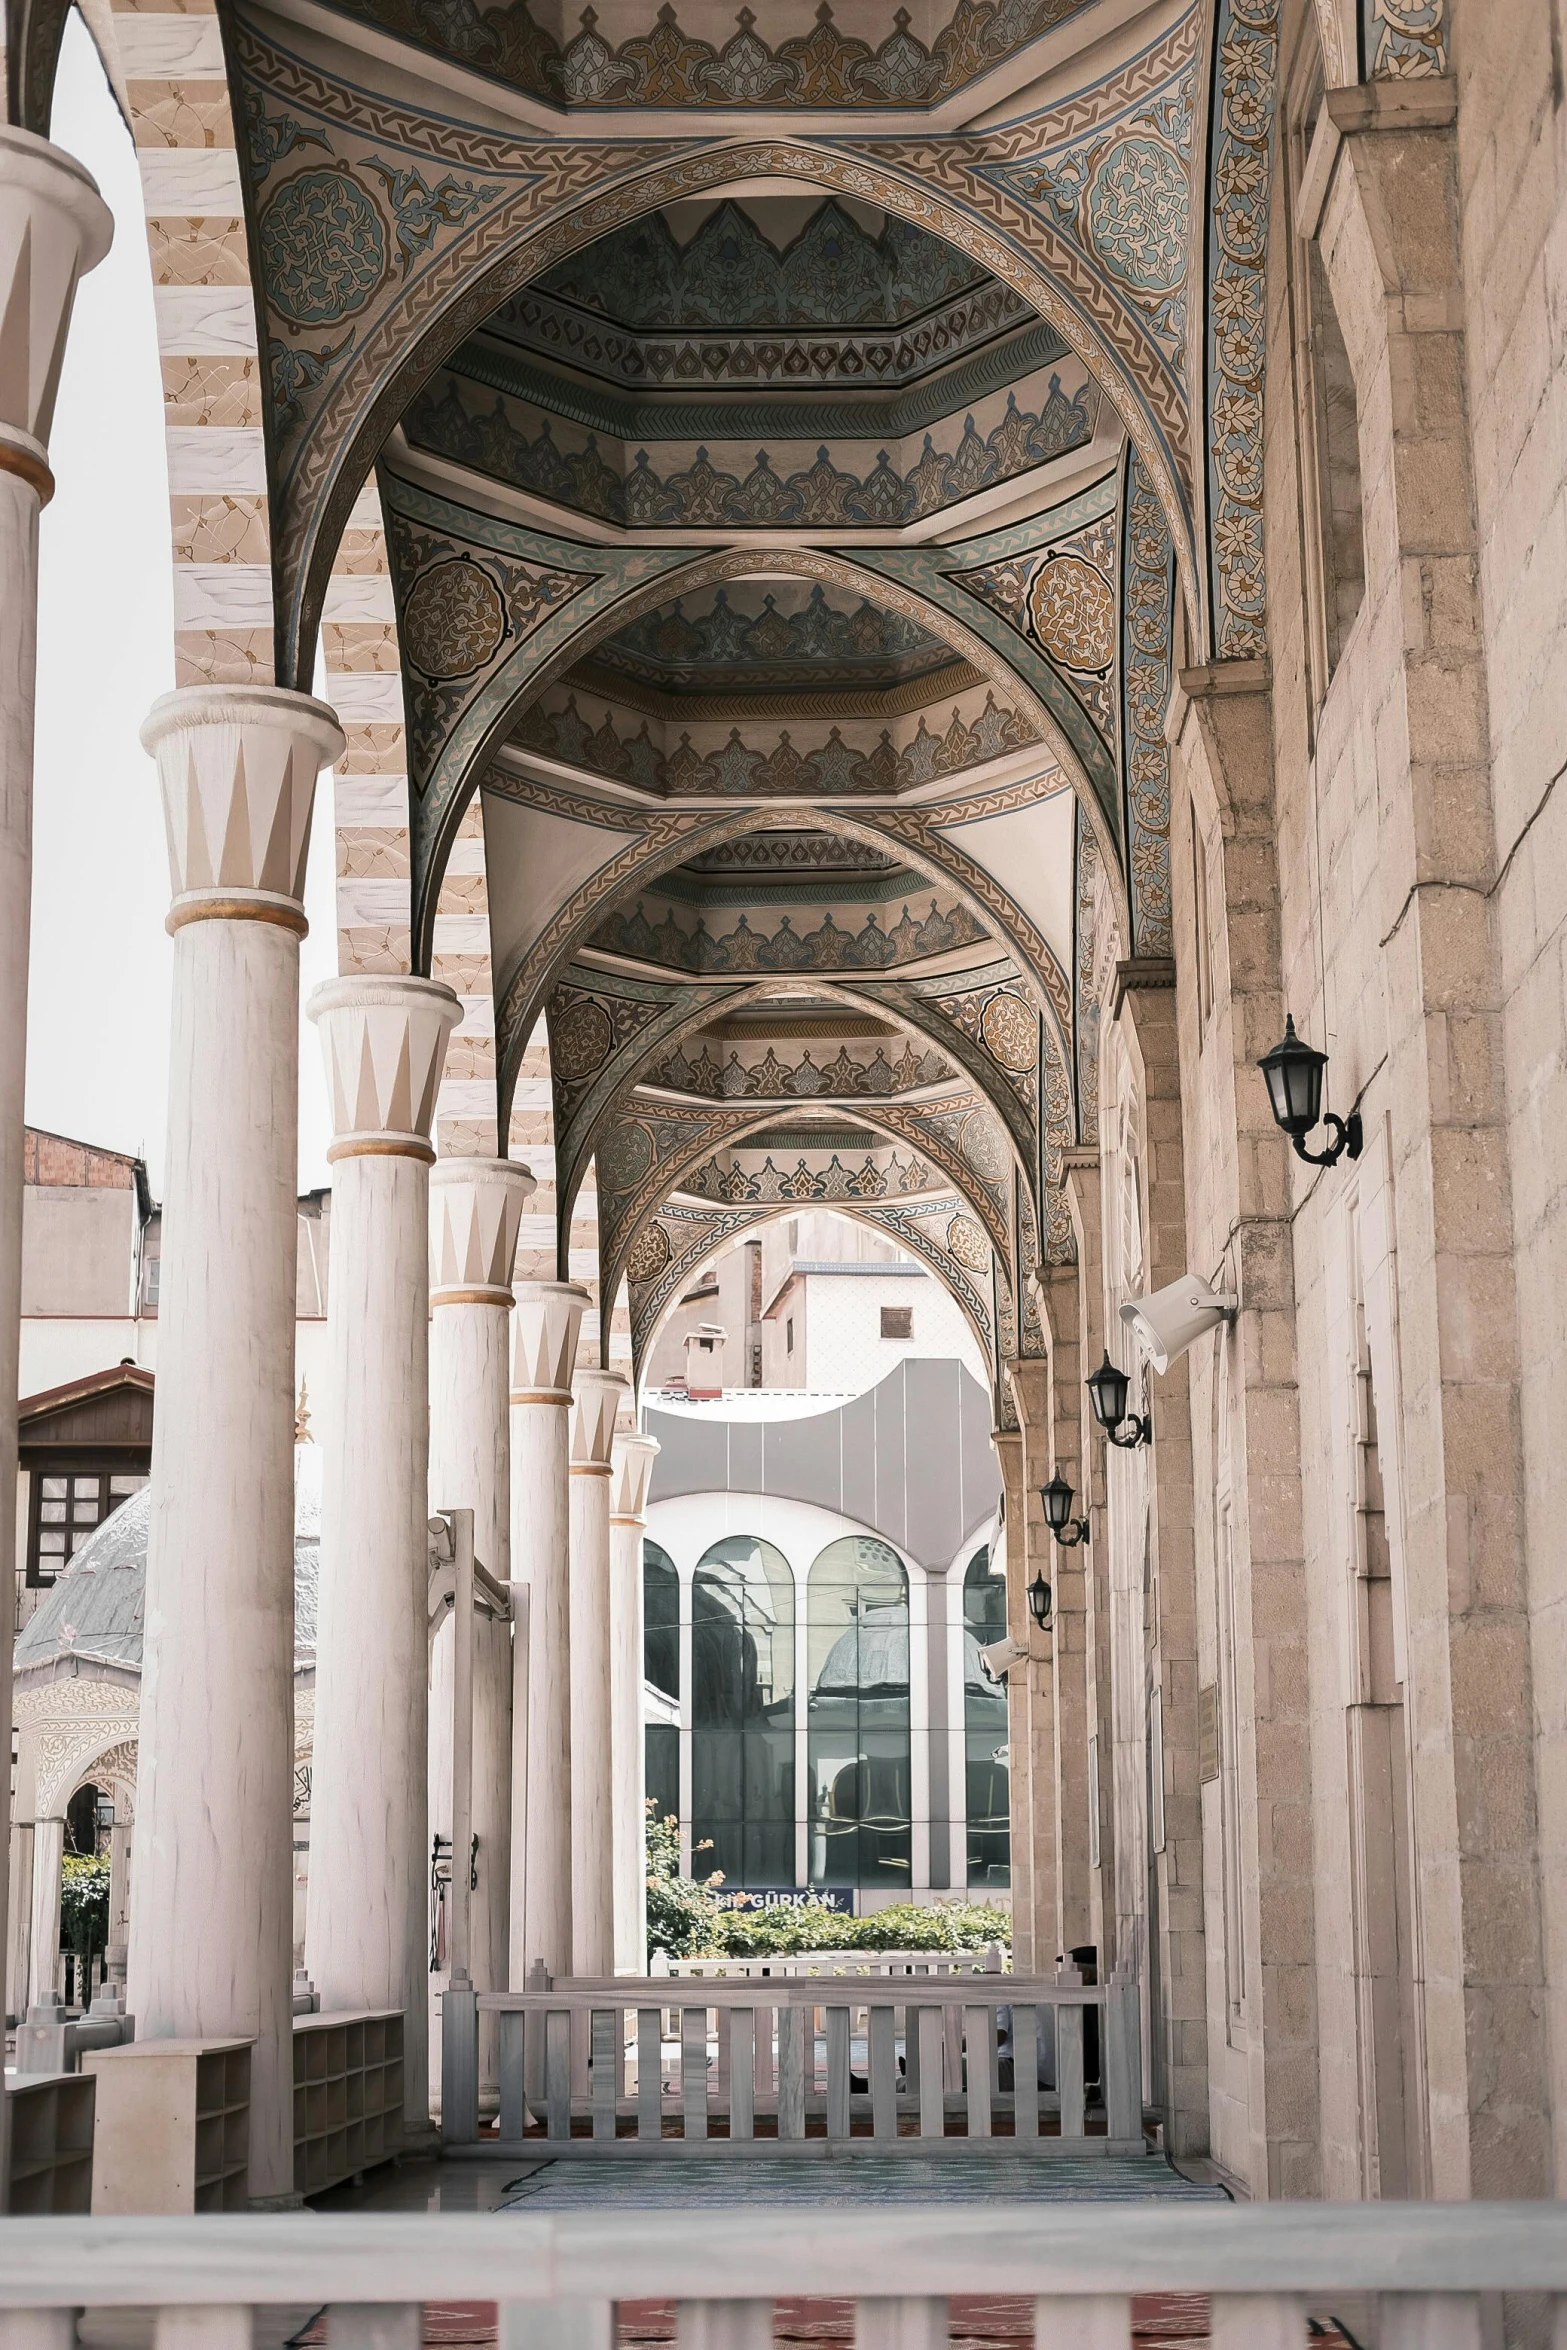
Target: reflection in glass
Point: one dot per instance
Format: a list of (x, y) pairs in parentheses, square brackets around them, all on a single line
[(660, 1620), (742, 1711), (985, 1728), (857, 1625), (662, 1750)]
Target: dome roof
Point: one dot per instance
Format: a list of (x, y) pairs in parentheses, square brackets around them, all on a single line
[(873, 1656), (94, 1612)]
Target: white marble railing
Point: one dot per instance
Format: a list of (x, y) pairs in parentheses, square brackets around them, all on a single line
[(892, 2062), (557, 2280), (987, 1961)]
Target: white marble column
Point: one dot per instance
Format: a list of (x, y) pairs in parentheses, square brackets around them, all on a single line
[(476, 1207), (366, 1909), (44, 1950), (596, 1398), (211, 1944), (545, 1324), (631, 1469), (54, 227)]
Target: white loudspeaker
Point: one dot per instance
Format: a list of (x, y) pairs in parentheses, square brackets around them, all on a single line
[(1166, 1324), (1000, 1656)]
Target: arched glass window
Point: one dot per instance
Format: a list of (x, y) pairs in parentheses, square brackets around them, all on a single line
[(857, 1626), (660, 1620), (985, 1728), (742, 1712), (661, 1666)]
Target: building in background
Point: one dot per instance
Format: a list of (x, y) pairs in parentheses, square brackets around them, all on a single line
[(815, 1304), (817, 1587)]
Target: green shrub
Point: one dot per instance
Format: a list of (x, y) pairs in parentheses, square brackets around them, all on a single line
[(682, 1916), (685, 1920), (84, 1902), (904, 1925)]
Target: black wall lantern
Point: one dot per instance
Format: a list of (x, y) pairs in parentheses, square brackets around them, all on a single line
[(1107, 1392), (1057, 1497), (1294, 1073), (1039, 1601)]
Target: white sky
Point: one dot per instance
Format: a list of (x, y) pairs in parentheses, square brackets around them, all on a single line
[(98, 1020)]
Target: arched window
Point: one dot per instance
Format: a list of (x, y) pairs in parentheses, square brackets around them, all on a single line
[(661, 1666), (742, 1713), (985, 1728), (660, 1620), (857, 1624)]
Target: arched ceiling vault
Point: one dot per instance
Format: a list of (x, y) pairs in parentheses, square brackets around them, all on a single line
[(609, 1045), (644, 848), (433, 220), (493, 614), (877, 1152)]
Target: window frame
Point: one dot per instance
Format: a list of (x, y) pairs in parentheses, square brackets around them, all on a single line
[(104, 1467)]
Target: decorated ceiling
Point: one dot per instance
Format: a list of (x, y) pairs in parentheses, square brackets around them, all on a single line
[(751, 477)]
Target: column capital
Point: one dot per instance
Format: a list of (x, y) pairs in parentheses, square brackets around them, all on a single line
[(596, 1397), (1029, 1379), (475, 1211), (631, 1470), (238, 766), (384, 1044), (545, 1324), (54, 227)]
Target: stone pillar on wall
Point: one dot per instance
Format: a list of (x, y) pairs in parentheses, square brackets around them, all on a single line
[(545, 1325), (366, 1907), (1030, 1720), (476, 1206), (1048, 1398), (1486, 1690), (1144, 1003), (54, 227), (596, 1399), (211, 1930), (1083, 1182), (1239, 1193), (632, 1467)]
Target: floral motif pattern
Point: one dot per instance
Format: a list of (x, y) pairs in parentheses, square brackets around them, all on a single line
[(1245, 79), (721, 646), (1010, 1030), (1071, 605), (454, 619), (899, 1177), (740, 769), (323, 247), (1405, 40), (702, 495), (827, 948), (669, 67), (845, 1076), (731, 276), (828, 357), (1124, 196), (1061, 600), (1136, 202), (968, 1244), (418, 210), (1148, 592)]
